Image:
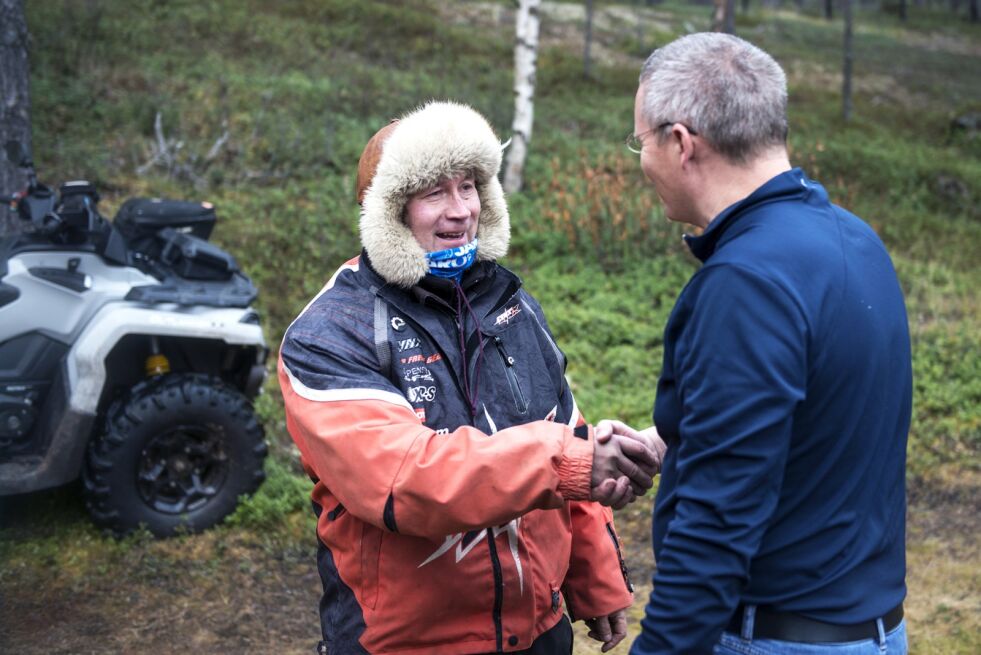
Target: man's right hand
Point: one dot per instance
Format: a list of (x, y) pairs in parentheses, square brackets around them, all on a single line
[(648, 436), (625, 462)]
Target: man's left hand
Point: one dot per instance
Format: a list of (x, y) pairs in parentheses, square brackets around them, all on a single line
[(609, 629)]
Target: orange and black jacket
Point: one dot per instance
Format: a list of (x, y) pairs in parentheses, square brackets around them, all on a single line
[(451, 466)]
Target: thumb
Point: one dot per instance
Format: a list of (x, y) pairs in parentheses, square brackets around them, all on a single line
[(603, 431)]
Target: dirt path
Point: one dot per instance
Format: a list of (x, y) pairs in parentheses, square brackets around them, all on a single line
[(238, 592)]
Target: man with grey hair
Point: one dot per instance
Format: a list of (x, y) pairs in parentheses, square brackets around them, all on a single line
[(785, 392)]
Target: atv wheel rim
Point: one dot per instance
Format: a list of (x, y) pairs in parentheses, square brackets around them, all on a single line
[(182, 469)]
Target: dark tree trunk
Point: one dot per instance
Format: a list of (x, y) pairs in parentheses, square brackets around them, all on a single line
[(723, 16), (587, 63), (846, 74), (902, 10), (974, 11), (829, 9), (745, 6), (730, 22), (15, 102)]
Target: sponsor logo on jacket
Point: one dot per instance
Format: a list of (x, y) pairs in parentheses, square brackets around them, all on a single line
[(421, 394), (421, 359), (408, 344), (417, 373), (506, 316)]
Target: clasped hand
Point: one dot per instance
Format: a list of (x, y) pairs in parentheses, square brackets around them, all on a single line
[(625, 462)]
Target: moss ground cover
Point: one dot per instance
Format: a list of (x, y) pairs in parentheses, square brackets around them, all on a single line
[(300, 85)]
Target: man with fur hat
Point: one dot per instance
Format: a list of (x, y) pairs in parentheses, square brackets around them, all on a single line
[(453, 472)]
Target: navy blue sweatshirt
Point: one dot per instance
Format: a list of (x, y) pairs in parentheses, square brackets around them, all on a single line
[(785, 399)]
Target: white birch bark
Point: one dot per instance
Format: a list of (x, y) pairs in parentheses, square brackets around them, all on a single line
[(525, 57)]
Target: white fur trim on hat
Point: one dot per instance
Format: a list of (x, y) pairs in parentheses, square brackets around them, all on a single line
[(433, 143)]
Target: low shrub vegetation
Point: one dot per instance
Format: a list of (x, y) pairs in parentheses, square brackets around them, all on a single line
[(300, 85)]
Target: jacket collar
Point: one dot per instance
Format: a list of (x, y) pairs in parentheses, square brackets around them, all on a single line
[(785, 186), (440, 292)]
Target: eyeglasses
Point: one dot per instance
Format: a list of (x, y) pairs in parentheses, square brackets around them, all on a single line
[(635, 142)]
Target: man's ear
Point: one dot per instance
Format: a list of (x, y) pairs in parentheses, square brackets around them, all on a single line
[(687, 147)]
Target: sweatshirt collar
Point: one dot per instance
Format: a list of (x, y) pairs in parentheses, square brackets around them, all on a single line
[(785, 186)]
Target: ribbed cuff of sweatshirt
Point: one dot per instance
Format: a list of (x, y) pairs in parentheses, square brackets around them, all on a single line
[(576, 467)]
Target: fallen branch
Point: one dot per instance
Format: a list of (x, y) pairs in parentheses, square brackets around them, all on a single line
[(166, 153)]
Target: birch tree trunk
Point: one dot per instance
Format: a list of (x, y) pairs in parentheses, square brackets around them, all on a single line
[(718, 14), (724, 16), (587, 64), (15, 105), (846, 73), (525, 56)]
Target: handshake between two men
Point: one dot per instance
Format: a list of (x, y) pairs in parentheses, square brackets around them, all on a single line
[(625, 462)]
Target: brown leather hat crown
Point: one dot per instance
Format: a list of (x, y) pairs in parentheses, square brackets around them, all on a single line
[(370, 157)]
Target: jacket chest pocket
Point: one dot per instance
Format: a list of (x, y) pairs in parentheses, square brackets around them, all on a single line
[(519, 383), (509, 364)]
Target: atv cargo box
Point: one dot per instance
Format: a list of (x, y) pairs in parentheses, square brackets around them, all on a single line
[(141, 218)]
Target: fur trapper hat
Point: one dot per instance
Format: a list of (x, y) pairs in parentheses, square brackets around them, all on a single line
[(437, 141)]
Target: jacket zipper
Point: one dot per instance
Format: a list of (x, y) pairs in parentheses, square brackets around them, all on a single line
[(498, 590), (623, 566), (519, 399)]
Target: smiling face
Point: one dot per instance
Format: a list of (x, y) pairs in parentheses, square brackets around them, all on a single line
[(445, 215)]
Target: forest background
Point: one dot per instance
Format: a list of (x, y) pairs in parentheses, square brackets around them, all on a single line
[(263, 107)]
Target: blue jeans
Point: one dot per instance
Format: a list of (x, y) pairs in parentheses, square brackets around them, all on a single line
[(888, 643)]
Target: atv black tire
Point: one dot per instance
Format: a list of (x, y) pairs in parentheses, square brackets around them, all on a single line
[(177, 452)]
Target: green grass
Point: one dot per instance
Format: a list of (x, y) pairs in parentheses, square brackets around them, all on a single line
[(300, 85)]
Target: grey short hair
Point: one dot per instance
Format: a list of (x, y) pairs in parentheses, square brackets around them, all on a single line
[(724, 88)]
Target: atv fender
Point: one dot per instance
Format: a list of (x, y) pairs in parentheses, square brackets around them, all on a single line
[(77, 389), (86, 360)]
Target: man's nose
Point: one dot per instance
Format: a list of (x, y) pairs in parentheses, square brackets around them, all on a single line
[(456, 206)]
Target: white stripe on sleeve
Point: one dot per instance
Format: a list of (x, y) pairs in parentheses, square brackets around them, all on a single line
[(336, 395)]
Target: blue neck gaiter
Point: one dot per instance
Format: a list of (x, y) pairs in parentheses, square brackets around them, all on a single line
[(452, 262)]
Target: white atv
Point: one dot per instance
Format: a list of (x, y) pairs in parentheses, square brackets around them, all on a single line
[(129, 355)]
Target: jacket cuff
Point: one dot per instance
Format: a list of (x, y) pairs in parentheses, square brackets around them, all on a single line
[(576, 467)]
